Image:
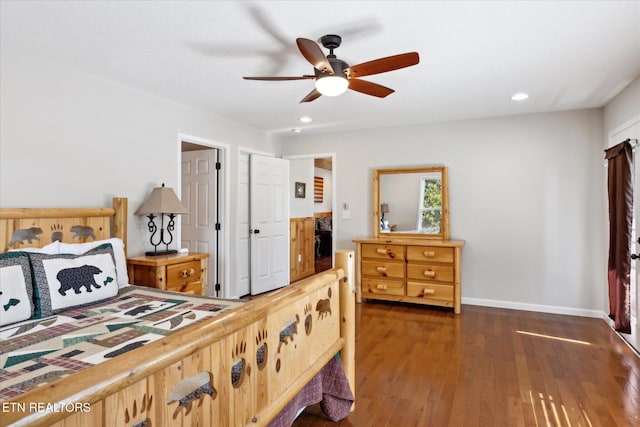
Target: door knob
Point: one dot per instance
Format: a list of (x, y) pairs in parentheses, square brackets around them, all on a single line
[(634, 256), (256, 231)]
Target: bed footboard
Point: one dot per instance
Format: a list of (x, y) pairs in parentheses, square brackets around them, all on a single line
[(239, 368)]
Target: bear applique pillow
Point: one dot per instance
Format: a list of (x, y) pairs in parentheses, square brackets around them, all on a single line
[(64, 281), (15, 288)]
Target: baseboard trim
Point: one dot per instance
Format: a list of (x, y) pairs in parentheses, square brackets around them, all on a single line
[(569, 311)]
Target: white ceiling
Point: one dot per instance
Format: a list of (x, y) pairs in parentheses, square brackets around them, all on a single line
[(473, 55)]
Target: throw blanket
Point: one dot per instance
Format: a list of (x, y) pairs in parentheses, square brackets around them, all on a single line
[(44, 350), (329, 387)]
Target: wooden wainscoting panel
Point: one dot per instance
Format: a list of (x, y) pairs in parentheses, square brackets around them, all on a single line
[(301, 248)]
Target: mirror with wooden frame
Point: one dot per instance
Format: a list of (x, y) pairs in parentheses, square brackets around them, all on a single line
[(411, 202)]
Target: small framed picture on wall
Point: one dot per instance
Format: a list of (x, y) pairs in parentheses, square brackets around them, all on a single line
[(301, 190)]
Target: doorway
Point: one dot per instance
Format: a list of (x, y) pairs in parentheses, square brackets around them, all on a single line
[(323, 213), (203, 183), (317, 171), (631, 130)]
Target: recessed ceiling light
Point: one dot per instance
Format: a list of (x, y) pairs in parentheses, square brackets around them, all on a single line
[(296, 130), (305, 119), (521, 96)]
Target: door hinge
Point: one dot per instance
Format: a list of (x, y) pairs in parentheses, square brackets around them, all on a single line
[(218, 165), (218, 226), (218, 287)]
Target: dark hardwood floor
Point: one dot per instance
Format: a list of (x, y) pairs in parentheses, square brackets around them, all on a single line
[(418, 366)]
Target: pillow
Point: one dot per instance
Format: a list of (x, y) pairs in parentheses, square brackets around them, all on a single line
[(51, 249), (64, 281), (118, 252), (16, 290)]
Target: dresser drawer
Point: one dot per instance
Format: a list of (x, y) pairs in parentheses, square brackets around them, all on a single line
[(372, 250), (380, 286), (194, 288), (429, 290), (430, 253), (440, 273), (183, 273), (383, 269)]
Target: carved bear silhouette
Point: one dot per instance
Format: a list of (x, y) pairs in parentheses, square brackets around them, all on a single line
[(288, 333), (323, 307), (81, 231), (77, 277), (28, 234)]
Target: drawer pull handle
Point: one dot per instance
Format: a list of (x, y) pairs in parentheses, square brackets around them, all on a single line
[(429, 292), (429, 254), (430, 273), (381, 269), (187, 273), (382, 287), (387, 252)]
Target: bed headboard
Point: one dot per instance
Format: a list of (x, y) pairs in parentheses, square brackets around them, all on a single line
[(37, 227)]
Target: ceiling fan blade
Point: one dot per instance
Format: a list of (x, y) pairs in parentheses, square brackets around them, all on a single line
[(383, 65), (369, 88), (311, 96), (312, 52), (276, 79)]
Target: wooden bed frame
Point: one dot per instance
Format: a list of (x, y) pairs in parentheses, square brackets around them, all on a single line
[(133, 389)]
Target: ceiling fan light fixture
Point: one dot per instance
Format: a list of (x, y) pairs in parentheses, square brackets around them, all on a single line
[(332, 85)]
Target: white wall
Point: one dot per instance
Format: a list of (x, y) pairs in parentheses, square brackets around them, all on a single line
[(68, 138), (525, 195), (301, 170), (624, 107), (327, 191)]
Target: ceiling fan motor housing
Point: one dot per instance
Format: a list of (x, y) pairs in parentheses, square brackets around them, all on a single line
[(338, 66)]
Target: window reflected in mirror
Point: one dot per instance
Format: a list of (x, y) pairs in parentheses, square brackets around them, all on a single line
[(411, 201), (430, 210)]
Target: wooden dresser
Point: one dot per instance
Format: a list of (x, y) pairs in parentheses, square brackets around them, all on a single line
[(179, 272), (412, 270)]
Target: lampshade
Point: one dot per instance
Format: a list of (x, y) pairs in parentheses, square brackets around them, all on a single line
[(384, 208), (332, 85), (162, 200)]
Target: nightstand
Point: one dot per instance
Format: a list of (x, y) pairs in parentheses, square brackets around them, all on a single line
[(182, 272)]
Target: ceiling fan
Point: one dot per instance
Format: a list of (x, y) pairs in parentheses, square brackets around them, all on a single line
[(333, 76)]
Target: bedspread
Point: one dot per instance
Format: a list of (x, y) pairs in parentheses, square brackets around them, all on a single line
[(43, 350)]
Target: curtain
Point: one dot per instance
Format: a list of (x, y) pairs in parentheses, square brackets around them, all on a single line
[(620, 188)]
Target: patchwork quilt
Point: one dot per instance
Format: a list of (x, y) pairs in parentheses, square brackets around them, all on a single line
[(40, 351)]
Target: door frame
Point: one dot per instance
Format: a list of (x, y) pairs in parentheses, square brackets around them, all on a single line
[(615, 136), (334, 222), (224, 156)]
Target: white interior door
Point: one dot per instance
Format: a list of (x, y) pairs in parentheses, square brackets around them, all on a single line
[(199, 195), (269, 230)]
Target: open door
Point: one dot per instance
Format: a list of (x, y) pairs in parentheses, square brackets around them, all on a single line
[(200, 184), (631, 131), (269, 219)]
